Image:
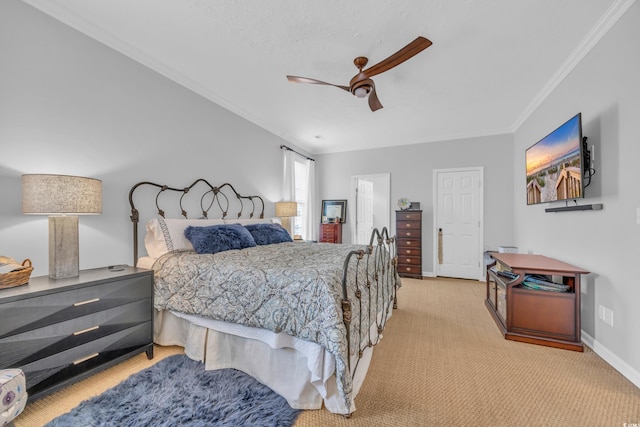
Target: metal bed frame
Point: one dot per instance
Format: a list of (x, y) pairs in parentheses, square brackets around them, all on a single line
[(380, 254)]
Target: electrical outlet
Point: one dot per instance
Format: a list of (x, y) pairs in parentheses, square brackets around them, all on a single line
[(605, 314), (608, 317), (638, 215)]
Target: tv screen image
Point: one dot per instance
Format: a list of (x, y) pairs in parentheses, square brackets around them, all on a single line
[(555, 165)]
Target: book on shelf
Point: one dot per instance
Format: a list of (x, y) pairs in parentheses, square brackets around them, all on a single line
[(541, 283), (504, 273)]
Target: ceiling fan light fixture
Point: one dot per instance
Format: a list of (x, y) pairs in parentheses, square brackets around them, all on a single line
[(361, 92)]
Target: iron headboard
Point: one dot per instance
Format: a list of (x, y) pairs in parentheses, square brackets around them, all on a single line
[(211, 197)]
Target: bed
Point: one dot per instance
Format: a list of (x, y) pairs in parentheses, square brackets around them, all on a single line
[(301, 317)]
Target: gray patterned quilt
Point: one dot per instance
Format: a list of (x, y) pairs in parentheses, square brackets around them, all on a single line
[(295, 288)]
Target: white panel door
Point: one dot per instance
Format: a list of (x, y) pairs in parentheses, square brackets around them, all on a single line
[(364, 211), (458, 223)]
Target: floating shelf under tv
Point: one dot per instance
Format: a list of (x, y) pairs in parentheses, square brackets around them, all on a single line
[(593, 207)]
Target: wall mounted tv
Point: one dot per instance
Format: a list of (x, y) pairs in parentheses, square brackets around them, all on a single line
[(556, 165)]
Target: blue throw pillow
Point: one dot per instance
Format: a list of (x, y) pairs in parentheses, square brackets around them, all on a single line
[(219, 238), (267, 234)]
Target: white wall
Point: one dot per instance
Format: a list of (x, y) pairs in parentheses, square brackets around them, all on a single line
[(71, 105), (411, 168), (605, 87)]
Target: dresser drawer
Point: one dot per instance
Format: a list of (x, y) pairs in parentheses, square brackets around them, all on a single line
[(24, 348), (404, 242), (414, 233), (58, 368), (413, 270), (408, 216), (409, 251), (33, 313), (409, 260), (408, 225)]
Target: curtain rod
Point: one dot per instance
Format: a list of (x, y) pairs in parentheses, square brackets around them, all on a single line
[(300, 154)]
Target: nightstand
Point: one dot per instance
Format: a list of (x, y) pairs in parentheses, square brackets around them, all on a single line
[(331, 233), (61, 331)]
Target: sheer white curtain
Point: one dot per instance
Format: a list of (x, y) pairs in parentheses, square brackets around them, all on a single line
[(299, 184), (289, 179), (310, 215)]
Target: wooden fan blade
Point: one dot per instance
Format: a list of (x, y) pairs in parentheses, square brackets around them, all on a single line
[(407, 52), (374, 102), (296, 79)]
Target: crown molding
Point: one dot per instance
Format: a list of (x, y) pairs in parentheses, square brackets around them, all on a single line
[(597, 32)]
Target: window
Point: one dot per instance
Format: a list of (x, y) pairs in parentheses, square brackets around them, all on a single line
[(301, 185)]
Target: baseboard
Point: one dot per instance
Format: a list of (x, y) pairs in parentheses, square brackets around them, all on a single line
[(618, 364), (428, 274)]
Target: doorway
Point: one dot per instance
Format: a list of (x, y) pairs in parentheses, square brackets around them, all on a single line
[(371, 199), (458, 222)]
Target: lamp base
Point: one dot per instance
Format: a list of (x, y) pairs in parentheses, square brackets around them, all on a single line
[(286, 224), (63, 247)]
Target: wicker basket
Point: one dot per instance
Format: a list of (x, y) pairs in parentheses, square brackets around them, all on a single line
[(16, 278)]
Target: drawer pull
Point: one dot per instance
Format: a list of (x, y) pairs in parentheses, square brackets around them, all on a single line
[(408, 225), (89, 301), (408, 251), (407, 234), (84, 359), (93, 328)]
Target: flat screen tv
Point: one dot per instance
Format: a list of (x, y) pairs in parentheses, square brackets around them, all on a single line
[(555, 165)]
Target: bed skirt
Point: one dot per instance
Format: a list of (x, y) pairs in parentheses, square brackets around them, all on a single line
[(300, 371)]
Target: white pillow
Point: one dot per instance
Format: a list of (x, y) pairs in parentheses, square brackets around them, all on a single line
[(165, 235)]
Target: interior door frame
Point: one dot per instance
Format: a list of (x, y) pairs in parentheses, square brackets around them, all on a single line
[(480, 170), (387, 198)]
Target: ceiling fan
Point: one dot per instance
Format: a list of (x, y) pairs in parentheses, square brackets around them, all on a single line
[(361, 84)]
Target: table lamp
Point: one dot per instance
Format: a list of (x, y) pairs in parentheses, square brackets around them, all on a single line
[(63, 198), (286, 210)]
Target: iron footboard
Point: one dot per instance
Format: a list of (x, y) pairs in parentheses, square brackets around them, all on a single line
[(375, 271)]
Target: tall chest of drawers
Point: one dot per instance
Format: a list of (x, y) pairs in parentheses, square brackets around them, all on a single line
[(409, 235), (60, 331)]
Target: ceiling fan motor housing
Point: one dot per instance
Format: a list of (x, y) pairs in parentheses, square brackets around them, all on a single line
[(361, 85)]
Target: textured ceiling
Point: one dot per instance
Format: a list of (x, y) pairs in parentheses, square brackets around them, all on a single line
[(491, 63)]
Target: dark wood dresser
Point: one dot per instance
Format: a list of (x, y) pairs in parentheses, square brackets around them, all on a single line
[(528, 313), (60, 331), (331, 233), (409, 234)]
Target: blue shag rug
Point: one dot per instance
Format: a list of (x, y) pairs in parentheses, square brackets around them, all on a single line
[(177, 391)]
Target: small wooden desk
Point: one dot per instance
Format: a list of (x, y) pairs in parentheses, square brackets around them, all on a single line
[(535, 316)]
